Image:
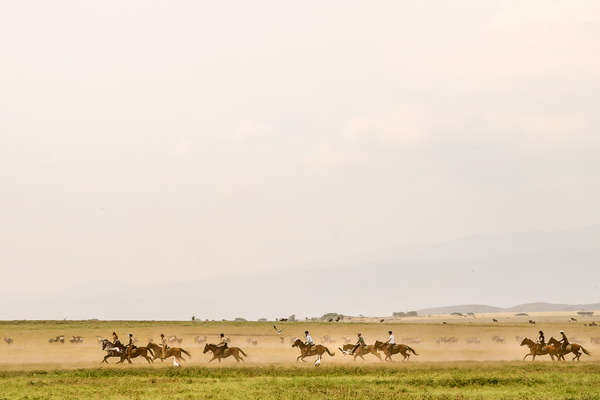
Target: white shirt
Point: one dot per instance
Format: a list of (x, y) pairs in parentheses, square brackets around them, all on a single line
[(392, 340), (309, 339)]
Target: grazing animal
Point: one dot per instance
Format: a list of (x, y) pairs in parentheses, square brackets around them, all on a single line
[(381, 320), (175, 339), (199, 339), (573, 319), (570, 348), (494, 320), (76, 340), (498, 339), (224, 352), (390, 349), (58, 339), (532, 322), (307, 351), (9, 340), (175, 352)]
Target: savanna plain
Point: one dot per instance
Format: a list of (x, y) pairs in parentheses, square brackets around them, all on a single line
[(458, 358)]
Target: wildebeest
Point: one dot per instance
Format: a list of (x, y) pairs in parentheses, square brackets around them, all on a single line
[(57, 339), (76, 340), (174, 339), (445, 339), (199, 339)]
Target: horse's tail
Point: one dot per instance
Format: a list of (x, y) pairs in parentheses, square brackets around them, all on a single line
[(185, 352), (585, 351), (328, 352), (242, 351), (411, 349)]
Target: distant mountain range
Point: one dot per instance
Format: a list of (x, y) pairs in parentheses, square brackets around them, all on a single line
[(528, 307)]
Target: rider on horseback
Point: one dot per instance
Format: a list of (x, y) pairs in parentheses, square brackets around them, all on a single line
[(392, 340), (222, 345), (116, 343), (163, 341), (541, 340), (309, 341), (130, 346), (564, 341), (360, 342)]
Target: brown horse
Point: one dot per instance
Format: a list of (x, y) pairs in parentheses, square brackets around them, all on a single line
[(390, 349), (122, 352), (536, 350), (570, 348), (171, 352), (224, 352), (360, 351), (307, 351)]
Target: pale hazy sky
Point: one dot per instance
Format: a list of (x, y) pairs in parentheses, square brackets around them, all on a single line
[(148, 141)]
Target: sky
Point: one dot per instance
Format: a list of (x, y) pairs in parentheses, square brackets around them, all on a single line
[(150, 143)]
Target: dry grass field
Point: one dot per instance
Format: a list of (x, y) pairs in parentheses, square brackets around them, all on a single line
[(32, 368)]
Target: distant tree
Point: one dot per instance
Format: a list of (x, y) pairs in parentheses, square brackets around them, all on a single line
[(292, 318), (240, 319), (331, 315), (262, 319)]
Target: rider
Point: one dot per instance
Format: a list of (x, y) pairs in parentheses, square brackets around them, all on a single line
[(222, 345), (564, 341), (116, 343), (130, 346), (163, 341), (360, 342), (541, 340), (309, 341), (392, 340)]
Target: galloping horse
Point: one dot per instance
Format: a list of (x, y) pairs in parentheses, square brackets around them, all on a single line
[(171, 352), (220, 352), (315, 350), (360, 351), (122, 352), (570, 348), (535, 350), (390, 349)]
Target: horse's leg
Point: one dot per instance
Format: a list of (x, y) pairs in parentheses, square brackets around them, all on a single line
[(526, 356)]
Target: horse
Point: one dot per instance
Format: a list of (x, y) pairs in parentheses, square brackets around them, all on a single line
[(307, 351), (536, 350), (224, 352), (570, 348), (122, 352), (360, 351), (171, 352), (390, 349)]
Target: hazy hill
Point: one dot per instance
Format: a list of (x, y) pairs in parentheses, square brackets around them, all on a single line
[(528, 307)]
